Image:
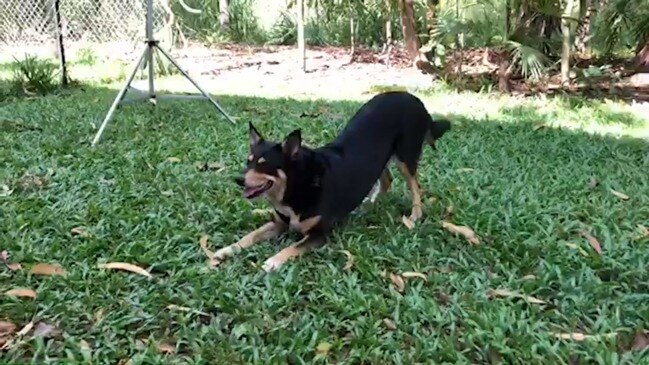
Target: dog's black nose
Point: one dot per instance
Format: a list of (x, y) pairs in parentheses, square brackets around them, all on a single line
[(239, 180)]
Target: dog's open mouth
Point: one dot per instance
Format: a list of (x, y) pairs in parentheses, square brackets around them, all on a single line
[(251, 192)]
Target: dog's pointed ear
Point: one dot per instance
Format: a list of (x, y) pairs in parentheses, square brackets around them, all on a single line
[(255, 136), (292, 143)]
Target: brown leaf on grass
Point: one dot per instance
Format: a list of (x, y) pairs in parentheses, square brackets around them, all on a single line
[(389, 324), (173, 159), (538, 126), (4, 256), (21, 292), (593, 182), (47, 269), (126, 267), (5, 191), (166, 348), (529, 277), (640, 341), (46, 330), (125, 362), (398, 282), (350, 260), (578, 336), (84, 345), (323, 348), (505, 293), (79, 231), (6, 330), (465, 231), (643, 230), (99, 316), (25, 330), (593, 241), (167, 193), (14, 266), (412, 274), (203, 242), (620, 195), (407, 222)]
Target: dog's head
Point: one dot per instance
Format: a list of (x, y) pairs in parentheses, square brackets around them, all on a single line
[(265, 172)]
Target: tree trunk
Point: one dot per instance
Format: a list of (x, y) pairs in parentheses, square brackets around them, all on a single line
[(224, 14), (301, 46), (508, 13), (352, 52), (567, 29), (584, 33), (409, 28), (641, 59)]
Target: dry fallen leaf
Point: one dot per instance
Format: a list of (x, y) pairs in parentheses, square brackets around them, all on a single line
[(640, 341), (407, 222), (643, 230), (5, 191), (505, 293), (398, 282), (6, 330), (47, 269), (529, 277), (465, 231), (125, 362), (126, 267), (323, 348), (173, 159), (412, 274), (14, 266), (389, 324), (593, 183), (593, 241), (577, 336), (538, 126), (350, 260), (25, 330), (166, 348), (46, 330), (4, 256), (21, 292), (203, 242), (99, 316), (620, 195), (167, 193), (79, 231), (84, 345), (465, 169)]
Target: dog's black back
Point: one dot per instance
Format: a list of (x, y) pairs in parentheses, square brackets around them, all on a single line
[(392, 124)]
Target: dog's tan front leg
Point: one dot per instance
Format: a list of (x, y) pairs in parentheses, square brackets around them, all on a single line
[(308, 243), (267, 231)]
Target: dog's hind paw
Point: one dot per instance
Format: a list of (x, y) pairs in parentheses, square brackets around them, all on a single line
[(272, 264)]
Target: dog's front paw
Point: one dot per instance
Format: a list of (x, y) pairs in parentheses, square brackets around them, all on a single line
[(272, 264), (224, 253)]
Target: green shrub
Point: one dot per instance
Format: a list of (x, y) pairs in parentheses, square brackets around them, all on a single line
[(32, 75)]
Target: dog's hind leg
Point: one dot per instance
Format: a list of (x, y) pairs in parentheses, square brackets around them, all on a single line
[(415, 189), (267, 231), (386, 180)]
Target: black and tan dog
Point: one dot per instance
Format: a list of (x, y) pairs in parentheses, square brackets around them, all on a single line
[(312, 190)]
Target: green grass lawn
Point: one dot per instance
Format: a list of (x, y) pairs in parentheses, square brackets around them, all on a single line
[(524, 188)]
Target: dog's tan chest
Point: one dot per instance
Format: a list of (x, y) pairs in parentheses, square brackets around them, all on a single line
[(295, 223)]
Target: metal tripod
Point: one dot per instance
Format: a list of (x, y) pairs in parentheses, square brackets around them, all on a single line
[(152, 44)]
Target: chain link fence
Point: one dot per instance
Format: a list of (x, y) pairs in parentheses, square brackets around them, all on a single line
[(107, 28)]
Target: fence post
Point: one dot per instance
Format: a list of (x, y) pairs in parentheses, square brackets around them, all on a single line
[(59, 43)]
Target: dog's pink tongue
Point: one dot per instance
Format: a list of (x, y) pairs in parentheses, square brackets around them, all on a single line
[(248, 192)]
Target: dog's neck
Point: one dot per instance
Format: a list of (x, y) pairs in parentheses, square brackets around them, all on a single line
[(304, 176)]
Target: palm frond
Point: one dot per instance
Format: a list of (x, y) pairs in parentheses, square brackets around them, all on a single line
[(533, 62)]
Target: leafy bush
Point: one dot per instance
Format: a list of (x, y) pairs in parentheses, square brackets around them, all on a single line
[(32, 75)]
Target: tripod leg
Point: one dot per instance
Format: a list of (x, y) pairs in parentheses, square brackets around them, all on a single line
[(195, 84), (118, 99), (149, 60)]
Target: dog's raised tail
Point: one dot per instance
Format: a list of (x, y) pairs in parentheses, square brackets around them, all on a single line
[(437, 130)]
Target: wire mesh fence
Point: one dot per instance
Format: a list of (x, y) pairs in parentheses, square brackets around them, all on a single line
[(109, 28)]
